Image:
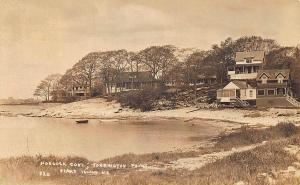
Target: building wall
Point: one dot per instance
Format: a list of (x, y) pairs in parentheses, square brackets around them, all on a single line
[(278, 102), (253, 62), (249, 95), (243, 76)]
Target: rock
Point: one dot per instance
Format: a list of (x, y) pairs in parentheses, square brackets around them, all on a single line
[(291, 169), (296, 165), (298, 156), (297, 174), (240, 183), (270, 180), (283, 112)]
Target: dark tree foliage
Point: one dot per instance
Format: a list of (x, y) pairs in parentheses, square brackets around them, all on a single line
[(281, 58)]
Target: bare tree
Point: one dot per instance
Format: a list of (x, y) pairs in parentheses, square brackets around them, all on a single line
[(158, 60), (85, 71), (48, 86), (120, 62)]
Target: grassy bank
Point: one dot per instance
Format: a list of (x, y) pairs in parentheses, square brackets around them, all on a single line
[(256, 166)]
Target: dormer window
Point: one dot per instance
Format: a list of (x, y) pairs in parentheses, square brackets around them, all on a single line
[(132, 76), (280, 78), (248, 60), (264, 79)]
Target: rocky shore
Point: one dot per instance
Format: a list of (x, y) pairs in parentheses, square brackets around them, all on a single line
[(101, 109)]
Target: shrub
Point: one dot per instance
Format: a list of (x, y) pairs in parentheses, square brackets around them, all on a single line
[(287, 128), (145, 99), (248, 135)]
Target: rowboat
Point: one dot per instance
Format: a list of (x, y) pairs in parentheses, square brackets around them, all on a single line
[(82, 121)]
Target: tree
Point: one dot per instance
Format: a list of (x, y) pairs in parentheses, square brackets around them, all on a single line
[(194, 65), (280, 58), (134, 65), (119, 60), (158, 60), (84, 71), (47, 86), (106, 71)]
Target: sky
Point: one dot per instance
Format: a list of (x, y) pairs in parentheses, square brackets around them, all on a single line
[(41, 37)]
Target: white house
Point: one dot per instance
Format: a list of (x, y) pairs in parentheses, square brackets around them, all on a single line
[(247, 65), (237, 91)]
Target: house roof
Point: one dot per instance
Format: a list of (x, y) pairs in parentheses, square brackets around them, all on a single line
[(242, 84), (256, 55), (142, 76), (273, 73), (238, 85), (201, 76)]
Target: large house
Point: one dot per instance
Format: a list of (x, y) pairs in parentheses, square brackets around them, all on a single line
[(247, 64), (79, 91), (274, 89), (238, 92), (245, 70), (136, 80), (132, 81)]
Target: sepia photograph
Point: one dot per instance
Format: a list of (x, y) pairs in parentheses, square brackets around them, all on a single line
[(150, 92)]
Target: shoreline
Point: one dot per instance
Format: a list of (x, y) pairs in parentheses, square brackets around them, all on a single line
[(101, 109)]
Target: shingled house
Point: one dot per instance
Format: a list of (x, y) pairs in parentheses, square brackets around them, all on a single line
[(136, 80), (274, 89), (246, 65)]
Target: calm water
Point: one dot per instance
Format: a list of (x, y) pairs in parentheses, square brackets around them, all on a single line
[(96, 140)]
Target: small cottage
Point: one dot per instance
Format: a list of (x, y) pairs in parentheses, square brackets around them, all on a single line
[(237, 92)]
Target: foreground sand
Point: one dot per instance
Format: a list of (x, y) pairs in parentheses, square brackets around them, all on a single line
[(101, 109)]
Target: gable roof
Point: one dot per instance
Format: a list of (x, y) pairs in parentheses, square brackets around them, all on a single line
[(256, 55), (273, 73), (242, 84), (238, 85), (264, 74)]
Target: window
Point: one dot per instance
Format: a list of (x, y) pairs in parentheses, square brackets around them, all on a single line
[(271, 92), (248, 60), (280, 79), (281, 91), (264, 80), (251, 93), (231, 68), (261, 92), (132, 76)]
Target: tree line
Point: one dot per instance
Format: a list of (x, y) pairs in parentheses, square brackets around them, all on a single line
[(98, 70)]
